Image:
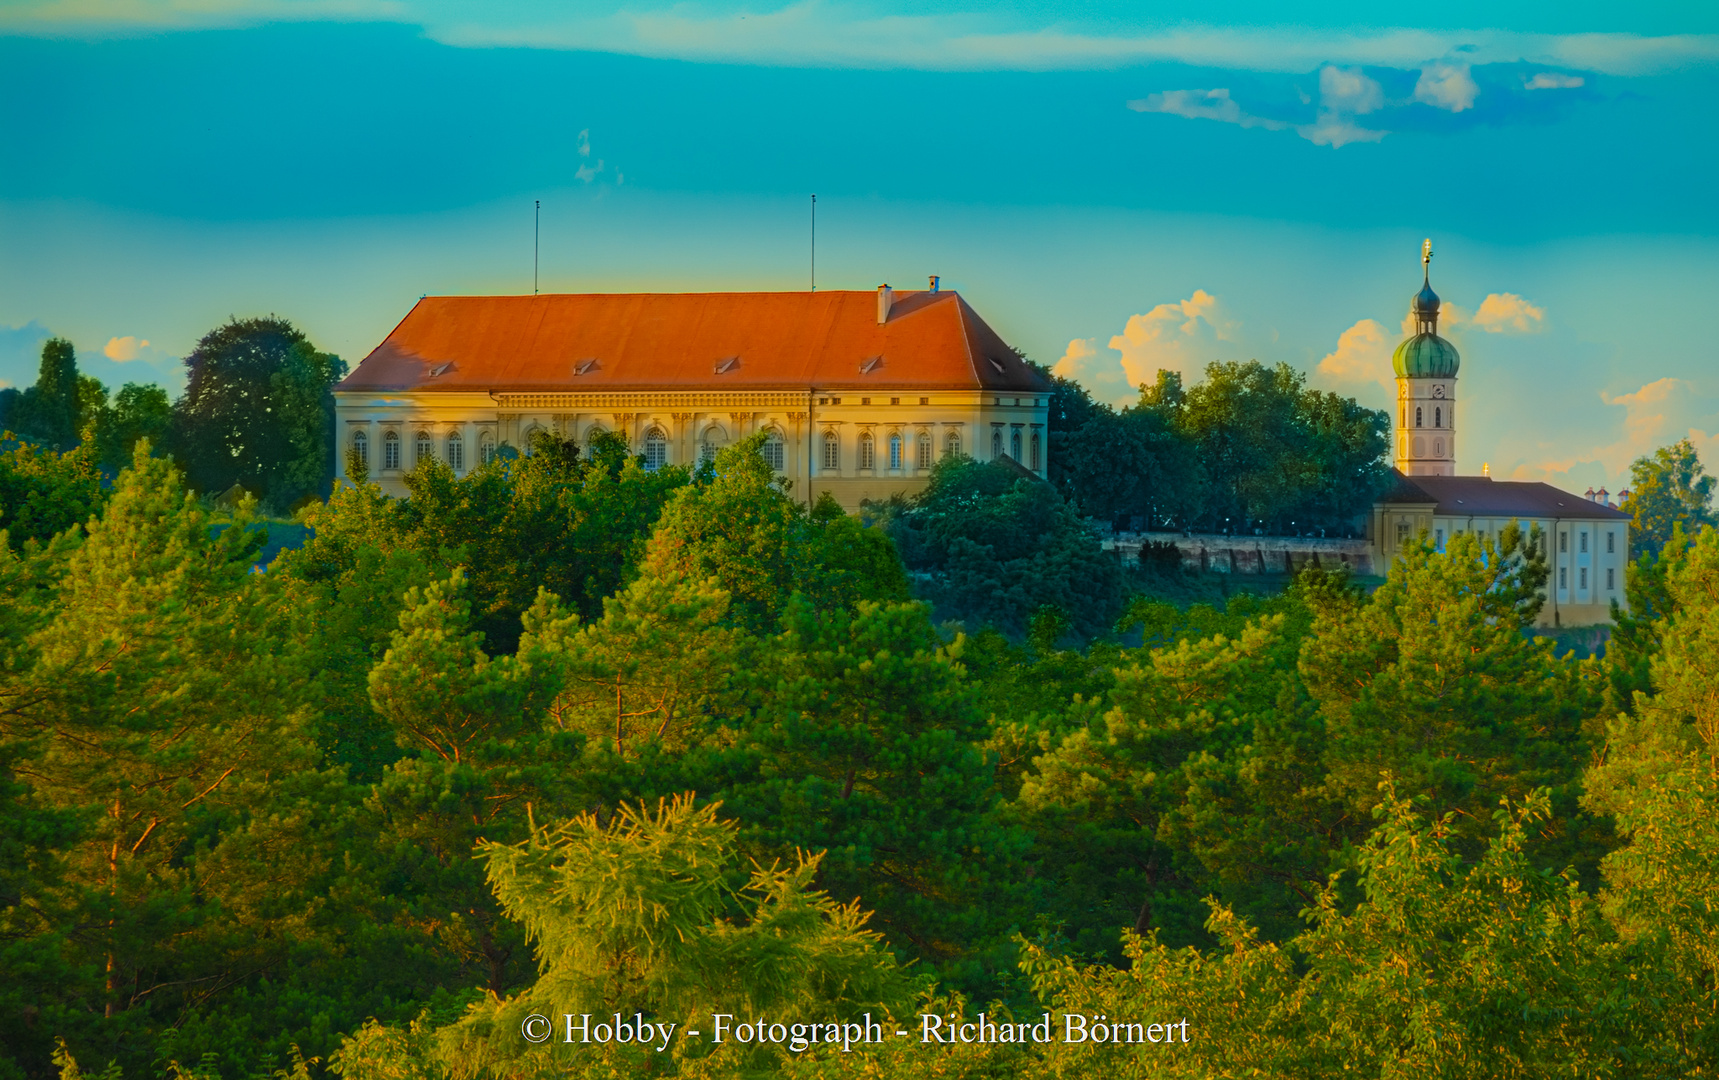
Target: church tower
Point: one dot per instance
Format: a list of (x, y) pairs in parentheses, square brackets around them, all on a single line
[(1426, 388)]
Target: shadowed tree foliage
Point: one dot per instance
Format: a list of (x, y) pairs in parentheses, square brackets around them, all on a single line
[(257, 411), (49, 412)]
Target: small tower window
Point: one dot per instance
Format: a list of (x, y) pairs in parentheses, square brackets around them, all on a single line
[(391, 450), (867, 451), (1438, 417), (832, 451), (1417, 416)]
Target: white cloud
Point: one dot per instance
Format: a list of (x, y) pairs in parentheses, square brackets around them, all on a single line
[(1343, 95), (826, 34), (1552, 80), (1348, 91), (1181, 336), (1446, 86), (1507, 313), (1100, 372), (1203, 105), (1362, 356), (585, 142), (1657, 414), (123, 349)]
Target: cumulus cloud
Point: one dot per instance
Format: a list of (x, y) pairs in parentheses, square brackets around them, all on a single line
[(1657, 414), (1507, 313), (1183, 336), (1362, 356), (1349, 90), (1447, 86), (1099, 371), (1552, 80), (123, 349)]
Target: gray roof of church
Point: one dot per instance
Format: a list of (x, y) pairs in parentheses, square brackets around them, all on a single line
[(1482, 496)]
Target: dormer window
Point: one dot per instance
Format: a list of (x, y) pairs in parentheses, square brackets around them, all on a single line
[(727, 364), (996, 365), (870, 365), (441, 369), (586, 366)]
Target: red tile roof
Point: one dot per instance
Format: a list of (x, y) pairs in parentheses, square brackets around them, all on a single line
[(673, 341)]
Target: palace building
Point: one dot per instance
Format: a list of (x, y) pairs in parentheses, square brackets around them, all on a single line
[(858, 394), (1586, 538)]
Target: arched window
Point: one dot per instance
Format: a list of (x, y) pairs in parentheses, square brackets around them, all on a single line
[(775, 448), (996, 443), (868, 451), (1015, 445), (832, 451), (1417, 416), (1438, 417), (361, 448), (391, 450), (425, 448), (952, 444), (656, 449), (924, 461), (895, 450), (456, 451), (713, 441), (1034, 464), (530, 436), (486, 448)]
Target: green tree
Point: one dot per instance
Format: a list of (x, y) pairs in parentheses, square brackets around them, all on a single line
[(1435, 680), (164, 715), (637, 915), (862, 745), (1667, 489), (997, 547), (44, 492), (740, 529), (257, 411), (49, 411), (139, 411)]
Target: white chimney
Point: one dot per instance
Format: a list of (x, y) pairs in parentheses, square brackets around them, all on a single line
[(885, 301)]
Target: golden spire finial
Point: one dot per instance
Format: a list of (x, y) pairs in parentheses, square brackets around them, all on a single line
[(1426, 252)]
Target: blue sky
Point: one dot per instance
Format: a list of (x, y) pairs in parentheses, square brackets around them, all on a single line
[(1116, 188)]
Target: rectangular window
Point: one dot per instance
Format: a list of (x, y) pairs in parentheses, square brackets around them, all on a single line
[(1611, 542), (835, 401), (1584, 536), (895, 401), (1563, 577), (1563, 543), (865, 401), (1611, 579), (1438, 538), (1584, 579), (925, 401)]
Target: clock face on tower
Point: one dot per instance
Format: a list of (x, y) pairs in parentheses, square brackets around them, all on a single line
[(1438, 391)]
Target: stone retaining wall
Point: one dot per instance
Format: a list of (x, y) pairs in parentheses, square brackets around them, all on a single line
[(1217, 553)]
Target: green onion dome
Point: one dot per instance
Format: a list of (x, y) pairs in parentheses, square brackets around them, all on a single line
[(1426, 356)]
